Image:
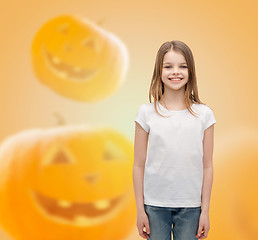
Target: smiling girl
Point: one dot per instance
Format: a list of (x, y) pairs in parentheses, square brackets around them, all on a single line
[(173, 176)]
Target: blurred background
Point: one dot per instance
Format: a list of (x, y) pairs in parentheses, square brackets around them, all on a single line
[(222, 36)]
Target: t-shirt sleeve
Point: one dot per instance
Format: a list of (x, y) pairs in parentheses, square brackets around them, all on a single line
[(141, 118), (209, 118)]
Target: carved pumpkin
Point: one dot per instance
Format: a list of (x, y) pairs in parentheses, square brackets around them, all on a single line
[(67, 183), (78, 59), (234, 209)]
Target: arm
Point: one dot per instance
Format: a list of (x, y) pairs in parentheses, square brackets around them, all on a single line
[(207, 168), (140, 153), (204, 224)]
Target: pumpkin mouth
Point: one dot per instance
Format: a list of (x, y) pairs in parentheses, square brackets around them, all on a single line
[(65, 70), (80, 213)]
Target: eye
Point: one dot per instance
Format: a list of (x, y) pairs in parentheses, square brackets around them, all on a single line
[(113, 152), (60, 158), (58, 155), (63, 29), (88, 42), (181, 66)]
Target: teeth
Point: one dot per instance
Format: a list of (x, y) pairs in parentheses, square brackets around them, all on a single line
[(63, 74), (175, 79), (101, 204), (56, 60), (98, 204), (64, 204), (77, 69), (81, 220)]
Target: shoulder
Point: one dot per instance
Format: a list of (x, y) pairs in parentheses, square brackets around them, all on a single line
[(147, 110), (142, 107), (146, 107), (208, 117), (203, 107)]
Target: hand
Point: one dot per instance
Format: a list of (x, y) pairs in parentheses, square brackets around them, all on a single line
[(204, 225), (143, 222)]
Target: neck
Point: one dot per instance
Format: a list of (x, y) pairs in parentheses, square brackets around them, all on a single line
[(173, 99)]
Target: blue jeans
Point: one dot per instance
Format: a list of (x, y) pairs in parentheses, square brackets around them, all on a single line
[(185, 222)]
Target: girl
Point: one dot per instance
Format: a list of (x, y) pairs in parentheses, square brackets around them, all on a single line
[(173, 180)]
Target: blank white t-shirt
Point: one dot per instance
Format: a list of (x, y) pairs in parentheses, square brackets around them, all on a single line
[(173, 171)]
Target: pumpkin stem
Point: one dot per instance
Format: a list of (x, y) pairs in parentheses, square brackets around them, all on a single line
[(60, 119)]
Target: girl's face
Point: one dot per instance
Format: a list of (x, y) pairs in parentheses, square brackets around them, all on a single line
[(174, 66)]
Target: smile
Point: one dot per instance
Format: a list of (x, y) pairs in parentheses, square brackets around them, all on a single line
[(175, 79), (65, 70), (79, 213)]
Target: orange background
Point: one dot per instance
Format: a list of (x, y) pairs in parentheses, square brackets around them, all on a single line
[(223, 38)]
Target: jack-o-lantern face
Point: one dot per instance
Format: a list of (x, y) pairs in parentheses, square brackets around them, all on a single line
[(67, 183), (78, 59)]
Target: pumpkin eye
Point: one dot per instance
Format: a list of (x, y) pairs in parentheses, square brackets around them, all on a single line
[(63, 28), (67, 47), (58, 155), (113, 152), (60, 158), (90, 43)]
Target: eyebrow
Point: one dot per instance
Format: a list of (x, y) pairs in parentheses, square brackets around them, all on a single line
[(169, 62)]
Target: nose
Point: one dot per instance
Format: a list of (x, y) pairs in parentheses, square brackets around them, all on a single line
[(91, 177), (175, 70)]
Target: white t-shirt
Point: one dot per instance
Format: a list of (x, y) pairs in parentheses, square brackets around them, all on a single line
[(173, 171)]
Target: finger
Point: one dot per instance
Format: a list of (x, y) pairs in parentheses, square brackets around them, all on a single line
[(205, 232), (202, 236), (199, 233), (140, 230), (142, 234), (145, 235), (147, 231), (147, 227)]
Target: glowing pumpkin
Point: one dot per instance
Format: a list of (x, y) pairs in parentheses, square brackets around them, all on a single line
[(234, 209), (67, 183), (78, 59)]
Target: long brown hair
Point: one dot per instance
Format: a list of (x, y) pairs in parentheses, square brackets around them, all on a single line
[(157, 86)]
